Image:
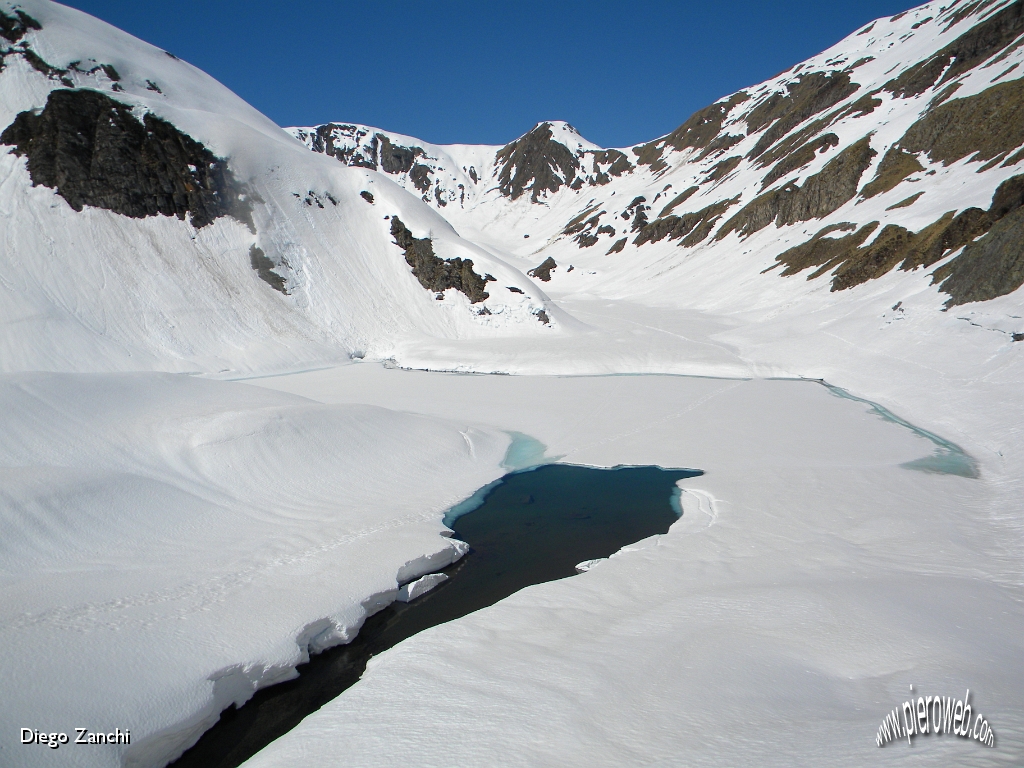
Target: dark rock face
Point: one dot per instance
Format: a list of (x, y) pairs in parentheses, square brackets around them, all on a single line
[(535, 162), (367, 196), (16, 26), (394, 158), (988, 267), (587, 231), (896, 165), (690, 228), (420, 177), (682, 197), (821, 194), (93, 151), (264, 266), (436, 274), (799, 157), (822, 249), (323, 141), (723, 168), (543, 270), (700, 131), (378, 153), (617, 246), (970, 49), (578, 222), (906, 202), (806, 97), (616, 161), (639, 209), (986, 126)]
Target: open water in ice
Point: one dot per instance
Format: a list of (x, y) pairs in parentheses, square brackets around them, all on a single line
[(532, 526)]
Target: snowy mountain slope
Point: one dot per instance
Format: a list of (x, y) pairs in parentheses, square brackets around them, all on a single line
[(176, 543), (100, 274), (550, 156), (882, 152)]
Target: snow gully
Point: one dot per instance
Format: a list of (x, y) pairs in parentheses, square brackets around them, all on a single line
[(938, 714)]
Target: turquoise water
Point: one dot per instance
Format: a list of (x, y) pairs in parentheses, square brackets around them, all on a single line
[(524, 452), (948, 457)]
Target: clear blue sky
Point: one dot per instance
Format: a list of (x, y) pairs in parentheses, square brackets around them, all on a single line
[(463, 71)]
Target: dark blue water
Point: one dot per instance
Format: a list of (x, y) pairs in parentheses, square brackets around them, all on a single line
[(532, 527)]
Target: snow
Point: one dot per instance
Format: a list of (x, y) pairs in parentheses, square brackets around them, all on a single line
[(200, 484), (156, 294), (422, 585), (171, 544)]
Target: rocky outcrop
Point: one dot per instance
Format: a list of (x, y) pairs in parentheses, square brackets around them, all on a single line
[(722, 169), (822, 194), (781, 113), (689, 228), (822, 249), (584, 230), (990, 266), (896, 165), (617, 246), (264, 269), (702, 130), (350, 151), (616, 161), (543, 270), (93, 151), (637, 209), (434, 273), (535, 163), (986, 126), (15, 26), (798, 158), (679, 199), (983, 40)]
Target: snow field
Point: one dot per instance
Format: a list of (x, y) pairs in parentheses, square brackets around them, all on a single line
[(171, 544)]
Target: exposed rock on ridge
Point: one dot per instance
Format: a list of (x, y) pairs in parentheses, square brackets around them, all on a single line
[(983, 127), (825, 192), (93, 151), (536, 163), (436, 274), (14, 27), (809, 144), (988, 267), (966, 52)]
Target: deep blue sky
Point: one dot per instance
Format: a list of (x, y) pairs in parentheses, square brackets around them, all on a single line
[(466, 71)]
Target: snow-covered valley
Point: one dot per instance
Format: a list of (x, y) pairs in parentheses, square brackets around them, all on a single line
[(234, 409)]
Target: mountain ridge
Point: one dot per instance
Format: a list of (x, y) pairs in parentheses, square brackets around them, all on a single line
[(219, 243), (901, 109)]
